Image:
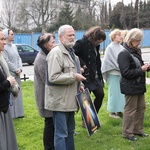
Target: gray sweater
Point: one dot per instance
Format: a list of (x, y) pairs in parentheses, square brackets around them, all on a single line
[(39, 83), (12, 58), (109, 62)]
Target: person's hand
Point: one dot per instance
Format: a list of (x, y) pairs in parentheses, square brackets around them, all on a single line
[(81, 88), (80, 77), (145, 67), (82, 70), (11, 79), (84, 67), (18, 72), (149, 66)]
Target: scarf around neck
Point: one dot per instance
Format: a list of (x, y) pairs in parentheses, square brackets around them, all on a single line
[(4, 65), (15, 88)]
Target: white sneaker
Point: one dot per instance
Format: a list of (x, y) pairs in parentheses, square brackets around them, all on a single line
[(113, 115)]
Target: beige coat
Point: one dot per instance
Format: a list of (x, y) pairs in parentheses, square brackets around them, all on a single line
[(61, 73)]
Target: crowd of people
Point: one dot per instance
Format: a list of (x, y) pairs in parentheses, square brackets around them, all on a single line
[(63, 70)]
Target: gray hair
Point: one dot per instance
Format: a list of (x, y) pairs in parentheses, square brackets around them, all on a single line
[(134, 34), (62, 29)]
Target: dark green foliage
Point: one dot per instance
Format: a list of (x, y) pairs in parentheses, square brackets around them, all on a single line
[(66, 16)]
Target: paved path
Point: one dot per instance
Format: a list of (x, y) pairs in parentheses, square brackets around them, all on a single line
[(148, 80), (144, 51), (31, 77)]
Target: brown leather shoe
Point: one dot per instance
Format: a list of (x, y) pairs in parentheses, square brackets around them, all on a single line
[(142, 135), (120, 114), (132, 138)]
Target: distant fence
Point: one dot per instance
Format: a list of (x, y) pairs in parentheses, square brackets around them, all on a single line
[(31, 38)]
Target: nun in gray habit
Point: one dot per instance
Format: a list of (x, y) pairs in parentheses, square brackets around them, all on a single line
[(14, 63), (7, 133)]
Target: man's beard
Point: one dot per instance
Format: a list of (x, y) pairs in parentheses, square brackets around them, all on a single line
[(70, 44)]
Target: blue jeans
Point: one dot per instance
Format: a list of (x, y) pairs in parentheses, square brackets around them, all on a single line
[(64, 125)]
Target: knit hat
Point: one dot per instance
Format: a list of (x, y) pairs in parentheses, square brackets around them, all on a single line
[(5, 31)]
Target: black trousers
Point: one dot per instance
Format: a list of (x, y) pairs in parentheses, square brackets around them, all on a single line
[(48, 134), (99, 95), (96, 87)]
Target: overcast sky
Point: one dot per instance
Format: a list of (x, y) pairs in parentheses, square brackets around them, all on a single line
[(112, 1), (124, 1)]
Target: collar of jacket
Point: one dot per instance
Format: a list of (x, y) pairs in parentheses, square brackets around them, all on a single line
[(45, 51), (63, 48), (88, 41), (132, 50)]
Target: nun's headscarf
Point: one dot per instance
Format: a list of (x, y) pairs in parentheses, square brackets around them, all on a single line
[(5, 31)]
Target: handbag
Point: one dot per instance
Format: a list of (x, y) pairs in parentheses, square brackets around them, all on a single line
[(15, 89)]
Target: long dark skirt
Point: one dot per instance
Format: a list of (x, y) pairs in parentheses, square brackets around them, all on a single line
[(7, 134)]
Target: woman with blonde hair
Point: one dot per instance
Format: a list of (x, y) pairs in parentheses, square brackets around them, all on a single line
[(123, 34), (133, 85), (111, 74)]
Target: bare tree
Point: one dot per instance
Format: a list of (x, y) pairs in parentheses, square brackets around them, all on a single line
[(137, 11), (23, 22), (9, 13), (39, 13), (91, 9), (123, 16), (103, 13), (87, 15)]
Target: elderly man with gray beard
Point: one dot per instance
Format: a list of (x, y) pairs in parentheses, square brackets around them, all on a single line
[(63, 83)]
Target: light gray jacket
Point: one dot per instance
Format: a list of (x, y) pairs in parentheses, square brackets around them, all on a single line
[(12, 58), (39, 83), (109, 62), (60, 96)]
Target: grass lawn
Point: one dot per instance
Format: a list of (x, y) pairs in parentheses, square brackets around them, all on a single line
[(109, 137)]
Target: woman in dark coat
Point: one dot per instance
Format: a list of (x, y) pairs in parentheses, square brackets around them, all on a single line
[(87, 49), (7, 133), (133, 84)]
